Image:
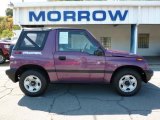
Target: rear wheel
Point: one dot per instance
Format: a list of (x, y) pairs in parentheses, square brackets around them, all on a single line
[(127, 82), (33, 83), (2, 58)]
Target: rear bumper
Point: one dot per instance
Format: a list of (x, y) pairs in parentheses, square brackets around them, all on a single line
[(11, 73), (149, 74)]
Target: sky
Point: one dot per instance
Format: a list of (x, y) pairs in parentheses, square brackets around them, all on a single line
[(4, 4)]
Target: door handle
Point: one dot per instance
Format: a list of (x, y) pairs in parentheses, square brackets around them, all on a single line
[(62, 57)]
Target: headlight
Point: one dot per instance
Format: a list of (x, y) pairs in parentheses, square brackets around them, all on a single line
[(7, 46)]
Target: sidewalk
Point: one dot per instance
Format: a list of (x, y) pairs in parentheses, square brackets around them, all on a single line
[(154, 63)]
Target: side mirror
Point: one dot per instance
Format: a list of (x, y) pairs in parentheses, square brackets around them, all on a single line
[(99, 52)]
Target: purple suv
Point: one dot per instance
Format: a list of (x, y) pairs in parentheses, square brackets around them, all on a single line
[(65, 55)]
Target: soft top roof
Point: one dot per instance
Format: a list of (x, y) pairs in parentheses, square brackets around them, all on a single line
[(49, 29)]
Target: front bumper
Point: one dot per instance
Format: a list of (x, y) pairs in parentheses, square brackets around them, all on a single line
[(149, 74), (11, 73)]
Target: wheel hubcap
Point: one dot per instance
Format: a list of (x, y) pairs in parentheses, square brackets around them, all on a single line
[(32, 83), (128, 83)]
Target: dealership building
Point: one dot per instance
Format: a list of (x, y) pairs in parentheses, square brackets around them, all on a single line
[(132, 26)]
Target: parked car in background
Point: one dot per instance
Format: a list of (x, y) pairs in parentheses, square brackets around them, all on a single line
[(66, 55), (5, 48)]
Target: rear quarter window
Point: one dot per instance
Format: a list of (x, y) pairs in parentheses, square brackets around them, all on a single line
[(32, 40)]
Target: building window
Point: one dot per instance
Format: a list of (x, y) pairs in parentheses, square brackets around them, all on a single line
[(143, 41), (106, 42)]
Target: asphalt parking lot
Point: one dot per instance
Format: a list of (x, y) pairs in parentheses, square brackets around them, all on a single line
[(79, 101)]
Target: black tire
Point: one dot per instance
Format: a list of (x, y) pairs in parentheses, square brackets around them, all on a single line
[(2, 58), (122, 73), (42, 78)]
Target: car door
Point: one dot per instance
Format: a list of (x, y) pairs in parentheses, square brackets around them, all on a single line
[(74, 58)]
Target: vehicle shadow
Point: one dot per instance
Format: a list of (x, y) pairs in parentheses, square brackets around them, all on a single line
[(5, 64), (93, 99), (154, 62)]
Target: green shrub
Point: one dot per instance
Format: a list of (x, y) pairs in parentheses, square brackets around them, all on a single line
[(16, 27), (6, 33)]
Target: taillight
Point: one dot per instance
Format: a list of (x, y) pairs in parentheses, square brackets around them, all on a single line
[(17, 52), (7, 46)]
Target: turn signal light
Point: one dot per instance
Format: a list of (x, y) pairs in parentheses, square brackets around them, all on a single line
[(139, 59)]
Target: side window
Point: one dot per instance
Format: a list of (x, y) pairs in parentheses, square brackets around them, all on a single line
[(75, 41), (32, 41)]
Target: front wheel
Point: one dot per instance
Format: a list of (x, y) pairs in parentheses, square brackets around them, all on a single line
[(127, 82), (33, 83), (2, 58)]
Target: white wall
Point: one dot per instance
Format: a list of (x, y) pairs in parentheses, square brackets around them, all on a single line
[(154, 40), (17, 33)]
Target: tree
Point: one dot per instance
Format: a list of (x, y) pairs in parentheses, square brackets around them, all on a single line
[(16, 27), (7, 33), (6, 27), (9, 12)]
